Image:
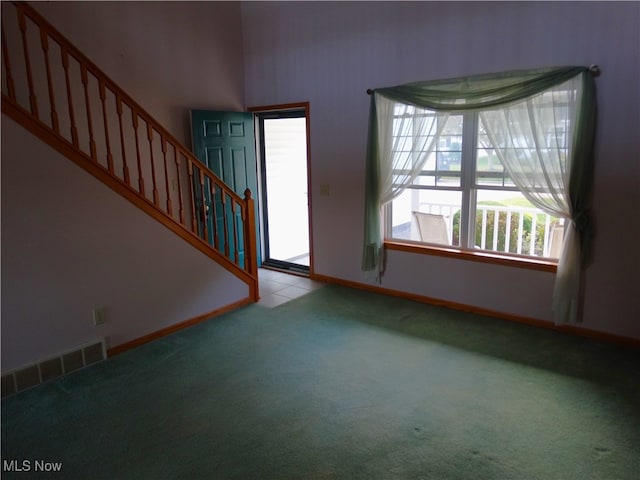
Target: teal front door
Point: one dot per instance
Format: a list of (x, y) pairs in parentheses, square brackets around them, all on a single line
[(224, 142)]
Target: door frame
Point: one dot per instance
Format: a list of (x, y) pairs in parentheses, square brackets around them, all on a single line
[(284, 108)]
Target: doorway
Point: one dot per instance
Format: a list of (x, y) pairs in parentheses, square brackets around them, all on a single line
[(284, 187)]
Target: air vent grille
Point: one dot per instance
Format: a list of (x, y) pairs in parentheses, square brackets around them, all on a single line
[(52, 368)]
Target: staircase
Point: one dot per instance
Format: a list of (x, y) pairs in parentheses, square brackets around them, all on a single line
[(50, 88)]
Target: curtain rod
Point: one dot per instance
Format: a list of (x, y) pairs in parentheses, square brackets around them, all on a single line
[(594, 69)]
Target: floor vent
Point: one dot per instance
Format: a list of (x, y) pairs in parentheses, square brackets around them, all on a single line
[(51, 368)]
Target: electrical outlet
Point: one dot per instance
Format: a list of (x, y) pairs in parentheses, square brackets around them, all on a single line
[(99, 316)]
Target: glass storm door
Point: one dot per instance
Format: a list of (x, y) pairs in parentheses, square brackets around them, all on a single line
[(285, 196)]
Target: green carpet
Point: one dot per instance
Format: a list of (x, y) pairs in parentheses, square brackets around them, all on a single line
[(341, 384)]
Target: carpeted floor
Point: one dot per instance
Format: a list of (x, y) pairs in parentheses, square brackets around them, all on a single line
[(341, 384)]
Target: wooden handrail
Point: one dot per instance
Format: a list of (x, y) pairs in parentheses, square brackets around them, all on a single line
[(51, 74)]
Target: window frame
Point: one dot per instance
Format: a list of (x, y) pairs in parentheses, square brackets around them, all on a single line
[(469, 189)]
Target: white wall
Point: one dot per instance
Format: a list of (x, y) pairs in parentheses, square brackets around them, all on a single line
[(169, 56), (329, 53), (69, 244)]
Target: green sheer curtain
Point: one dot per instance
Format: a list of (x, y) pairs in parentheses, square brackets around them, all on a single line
[(405, 138), (494, 92)]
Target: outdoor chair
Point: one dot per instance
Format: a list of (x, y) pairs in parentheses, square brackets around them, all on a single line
[(432, 228)]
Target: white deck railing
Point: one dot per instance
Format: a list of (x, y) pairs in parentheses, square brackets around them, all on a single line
[(544, 242)]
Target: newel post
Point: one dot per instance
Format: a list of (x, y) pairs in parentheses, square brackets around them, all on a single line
[(250, 244)]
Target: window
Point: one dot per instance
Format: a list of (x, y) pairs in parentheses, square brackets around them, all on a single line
[(463, 196), (449, 160)]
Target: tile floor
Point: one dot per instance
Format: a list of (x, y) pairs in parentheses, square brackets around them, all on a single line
[(277, 288)]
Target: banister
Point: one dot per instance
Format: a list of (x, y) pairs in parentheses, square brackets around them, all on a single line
[(5, 56), (92, 68), (110, 97), (98, 73)]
